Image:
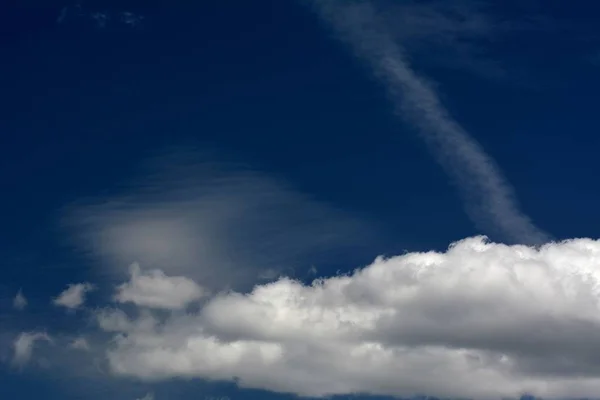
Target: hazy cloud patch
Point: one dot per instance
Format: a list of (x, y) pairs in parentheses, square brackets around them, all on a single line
[(24, 345), (73, 296), (20, 302)]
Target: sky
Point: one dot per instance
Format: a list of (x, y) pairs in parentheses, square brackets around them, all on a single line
[(281, 199)]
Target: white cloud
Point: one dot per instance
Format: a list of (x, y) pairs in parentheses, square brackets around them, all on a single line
[(115, 320), (482, 320), (488, 196), (458, 34), (80, 343), (156, 290), (220, 225), (74, 296), (148, 396), (23, 346), (19, 302)]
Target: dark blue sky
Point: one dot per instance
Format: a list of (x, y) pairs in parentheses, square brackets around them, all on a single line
[(264, 83)]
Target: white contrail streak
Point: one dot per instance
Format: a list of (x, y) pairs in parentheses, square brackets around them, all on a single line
[(489, 199)]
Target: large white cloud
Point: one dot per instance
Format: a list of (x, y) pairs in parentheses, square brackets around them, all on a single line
[(482, 320), (156, 290)]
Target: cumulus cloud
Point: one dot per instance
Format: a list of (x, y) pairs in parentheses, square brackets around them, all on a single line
[(113, 320), (20, 302), (219, 224), (24, 344), (156, 290), (74, 296), (489, 198), (481, 320)]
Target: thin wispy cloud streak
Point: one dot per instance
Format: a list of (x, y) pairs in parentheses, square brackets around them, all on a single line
[(488, 197)]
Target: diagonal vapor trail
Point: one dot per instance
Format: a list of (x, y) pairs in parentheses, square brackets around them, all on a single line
[(488, 197)]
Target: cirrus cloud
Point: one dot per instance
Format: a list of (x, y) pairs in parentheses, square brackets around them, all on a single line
[(489, 199)]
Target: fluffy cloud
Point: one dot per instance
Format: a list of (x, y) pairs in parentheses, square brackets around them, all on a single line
[(481, 320), (19, 302), (113, 320), (156, 290), (23, 346), (74, 296)]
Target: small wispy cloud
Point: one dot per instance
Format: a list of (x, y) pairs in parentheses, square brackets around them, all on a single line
[(24, 344), (447, 33), (20, 302), (131, 19), (80, 343), (461, 34), (100, 18), (489, 199), (74, 296)]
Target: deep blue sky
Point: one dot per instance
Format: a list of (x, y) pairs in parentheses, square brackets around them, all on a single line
[(261, 81)]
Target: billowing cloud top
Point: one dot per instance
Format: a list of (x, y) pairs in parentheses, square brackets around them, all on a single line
[(482, 320)]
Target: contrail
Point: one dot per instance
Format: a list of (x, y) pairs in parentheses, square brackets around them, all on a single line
[(489, 199)]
